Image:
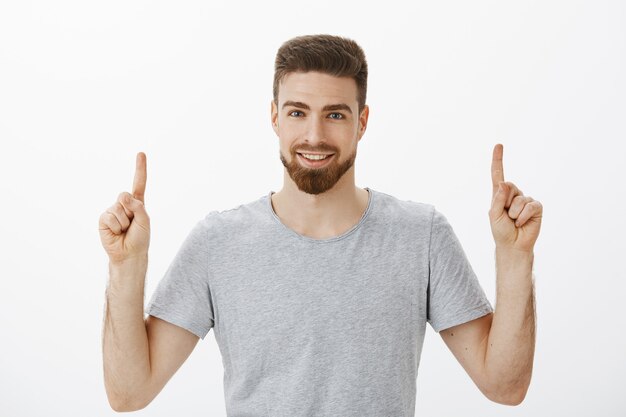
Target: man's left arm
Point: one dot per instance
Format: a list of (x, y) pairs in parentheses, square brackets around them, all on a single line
[(497, 350)]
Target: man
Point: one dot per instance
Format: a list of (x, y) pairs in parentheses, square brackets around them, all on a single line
[(319, 294)]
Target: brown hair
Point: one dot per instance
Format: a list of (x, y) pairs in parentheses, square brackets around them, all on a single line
[(334, 55)]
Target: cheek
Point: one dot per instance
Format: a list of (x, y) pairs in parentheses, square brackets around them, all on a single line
[(286, 142), (289, 135)]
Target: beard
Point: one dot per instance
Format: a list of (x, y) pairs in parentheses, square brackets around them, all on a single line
[(317, 180)]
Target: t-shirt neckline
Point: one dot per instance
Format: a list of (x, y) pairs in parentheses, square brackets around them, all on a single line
[(292, 232)]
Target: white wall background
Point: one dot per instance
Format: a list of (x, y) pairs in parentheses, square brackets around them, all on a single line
[(84, 86)]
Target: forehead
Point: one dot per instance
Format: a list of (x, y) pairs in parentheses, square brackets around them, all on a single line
[(316, 88)]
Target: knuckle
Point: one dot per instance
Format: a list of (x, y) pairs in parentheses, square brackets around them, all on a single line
[(105, 220), (118, 209), (111, 222), (122, 196), (120, 214), (515, 188), (111, 219)]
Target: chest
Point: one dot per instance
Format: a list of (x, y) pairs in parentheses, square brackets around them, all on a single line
[(360, 292)]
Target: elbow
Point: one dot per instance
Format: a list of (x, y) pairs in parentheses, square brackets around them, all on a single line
[(507, 389), (511, 395), (511, 399), (126, 403), (123, 398), (125, 406)]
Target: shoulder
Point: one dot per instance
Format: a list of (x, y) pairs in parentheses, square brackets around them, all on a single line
[(403, 215), (392, 207), (238, 218)]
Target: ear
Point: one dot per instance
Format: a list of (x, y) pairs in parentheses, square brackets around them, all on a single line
[(363, 121), (274, 117)]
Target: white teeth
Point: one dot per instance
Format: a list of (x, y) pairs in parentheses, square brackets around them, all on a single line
[(314, 157)]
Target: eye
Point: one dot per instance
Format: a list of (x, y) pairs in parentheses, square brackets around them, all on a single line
[(295, 111), (340, 116)]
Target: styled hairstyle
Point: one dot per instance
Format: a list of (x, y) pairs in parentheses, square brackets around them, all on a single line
[(333, 55)]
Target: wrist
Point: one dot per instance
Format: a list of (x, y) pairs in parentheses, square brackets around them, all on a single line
[(130, 263), (128, 275), (512, 252), (513, 267)]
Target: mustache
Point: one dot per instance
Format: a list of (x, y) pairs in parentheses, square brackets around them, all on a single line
[(321, 149)]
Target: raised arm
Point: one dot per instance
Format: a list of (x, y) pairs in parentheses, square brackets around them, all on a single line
[(139, 356), (497, 350)]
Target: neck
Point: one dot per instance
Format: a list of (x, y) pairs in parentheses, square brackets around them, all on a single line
[(324, 215)]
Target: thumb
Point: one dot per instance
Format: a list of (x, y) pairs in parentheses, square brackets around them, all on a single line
[(136, 206), (499, 200)]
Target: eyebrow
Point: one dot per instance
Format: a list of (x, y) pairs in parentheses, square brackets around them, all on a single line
[(301, 105)]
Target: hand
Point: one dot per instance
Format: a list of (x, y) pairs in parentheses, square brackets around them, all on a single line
[(125, 226), (515, 218)]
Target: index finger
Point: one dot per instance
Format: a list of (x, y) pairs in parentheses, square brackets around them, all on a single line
[(497, 169), (139, 183)]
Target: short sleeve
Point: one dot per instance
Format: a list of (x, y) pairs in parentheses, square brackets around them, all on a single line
[(183, 296), (454, 293)]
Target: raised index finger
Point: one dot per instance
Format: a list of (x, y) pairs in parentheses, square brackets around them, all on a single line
[(497, 169), (139, 183)]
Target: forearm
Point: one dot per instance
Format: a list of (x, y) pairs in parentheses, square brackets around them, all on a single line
[(125, 342), (510, 346)]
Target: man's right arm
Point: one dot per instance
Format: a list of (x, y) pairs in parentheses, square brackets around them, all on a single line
[(140, 356)]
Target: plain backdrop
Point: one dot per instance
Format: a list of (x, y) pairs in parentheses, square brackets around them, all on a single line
[(84, 86)]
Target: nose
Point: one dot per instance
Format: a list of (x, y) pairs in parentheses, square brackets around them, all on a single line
[(314, 131)]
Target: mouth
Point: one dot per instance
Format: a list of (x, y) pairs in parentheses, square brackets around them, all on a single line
[(315, 163)]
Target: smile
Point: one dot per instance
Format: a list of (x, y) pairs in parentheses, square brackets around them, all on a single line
[(315, 163)]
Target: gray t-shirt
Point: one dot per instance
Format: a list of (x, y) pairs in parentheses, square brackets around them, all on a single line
[(320, 327)]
